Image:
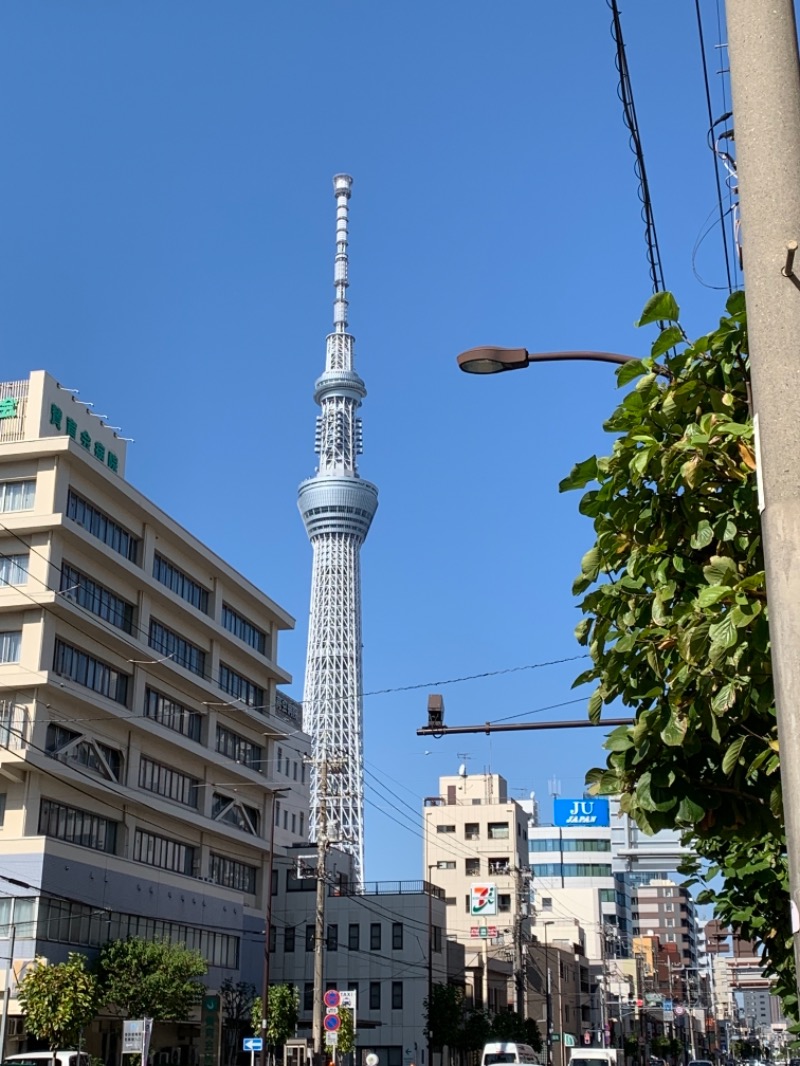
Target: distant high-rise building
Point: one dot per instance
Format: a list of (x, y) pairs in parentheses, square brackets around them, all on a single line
[(337, 508)]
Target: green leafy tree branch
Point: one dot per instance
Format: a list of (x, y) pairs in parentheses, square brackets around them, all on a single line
[(675, 620)]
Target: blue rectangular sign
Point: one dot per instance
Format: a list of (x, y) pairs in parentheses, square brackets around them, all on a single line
[(587, 812), (253, 1043)]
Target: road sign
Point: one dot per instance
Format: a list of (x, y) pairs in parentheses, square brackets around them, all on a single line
[(483, 931), (667, 1004), (331, 1022), (679, 1009), (331, 1010), (331, 1039), (253, 1043), (332, 998), (348, 999)]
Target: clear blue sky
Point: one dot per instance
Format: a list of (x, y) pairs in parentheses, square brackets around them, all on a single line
[(166, 246)]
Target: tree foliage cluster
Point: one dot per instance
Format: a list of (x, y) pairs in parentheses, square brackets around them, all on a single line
[(676, 621), (139, 978), (454, 1025)]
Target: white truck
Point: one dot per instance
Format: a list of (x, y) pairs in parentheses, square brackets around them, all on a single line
[(595, 1056)]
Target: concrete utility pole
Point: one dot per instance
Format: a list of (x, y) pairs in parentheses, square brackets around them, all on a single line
[(765, 82), (319, 922)]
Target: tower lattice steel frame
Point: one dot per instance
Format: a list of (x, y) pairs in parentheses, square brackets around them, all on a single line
[(337, 507)]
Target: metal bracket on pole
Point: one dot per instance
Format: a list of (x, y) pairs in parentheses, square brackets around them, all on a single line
[(788, 268)]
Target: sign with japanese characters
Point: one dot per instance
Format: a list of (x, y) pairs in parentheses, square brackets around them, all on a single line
[(482, 899)]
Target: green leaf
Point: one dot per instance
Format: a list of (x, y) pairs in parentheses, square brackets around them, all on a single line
[(723, 633), (620, 739), (580, 475), (595, 706), (731, 756), (661, 307), (703, 535), (689, 812), (724, 699), (629, 371), (720, 571), (668, 338), (712, 594)]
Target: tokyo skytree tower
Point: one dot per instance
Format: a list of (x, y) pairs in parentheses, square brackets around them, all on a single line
[(337, 508)]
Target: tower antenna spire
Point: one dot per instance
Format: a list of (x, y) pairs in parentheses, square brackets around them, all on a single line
[(337, 507), (342, 185)]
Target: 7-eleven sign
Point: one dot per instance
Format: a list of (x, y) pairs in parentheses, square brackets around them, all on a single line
[(482, 899)]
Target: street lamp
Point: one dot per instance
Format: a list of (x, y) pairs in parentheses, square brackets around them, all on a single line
[(491, 360)]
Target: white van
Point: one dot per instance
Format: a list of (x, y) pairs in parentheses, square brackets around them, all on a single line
[(503, 1052), (42, 1058)]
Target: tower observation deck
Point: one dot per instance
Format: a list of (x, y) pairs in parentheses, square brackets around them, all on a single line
[(337, 507)]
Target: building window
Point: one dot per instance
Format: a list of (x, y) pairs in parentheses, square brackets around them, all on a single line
[(547, 903), (309, 938), (397, 936), (3, 799), (239, 749), (397, 995), (546, 869), (273, 939), (472, 867), (234, 812), (14, 569), (67, 745), (172, 715), (332, 939), (10, 643), (232, 874), (243, 629), (302, 824), (164, 853), (180, 650), (446, 864), (288, 938), (17, 495), (374, 995), (244, 690), (101, 526), (607, 895), (164, 781), (472, 831), (180, 583), (437, 938), (498, 831), (308, 997), (375, 936), (587, 869), (96, 598), (445, 829), (77, 826), (503, 902), (354, 937), (92, 673), (499, 865)]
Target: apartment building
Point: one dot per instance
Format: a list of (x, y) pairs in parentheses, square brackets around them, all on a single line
[(142, 733), (385, 941), (666, 910), (475, 849)]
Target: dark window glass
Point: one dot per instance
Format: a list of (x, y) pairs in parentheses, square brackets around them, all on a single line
[(397, 995), (472, 867), (165, 853), (309, 938), (354, 937), (94, 521), (332, 939), (239, 749), (96, 598), (67, 745), (165, 781), (308, 997), (180, 583), (242, 689), (171, 714), (375, 936), (180, 650), (273, 938), (288, 938), (92, 673), (374, 995), (243, 629), (397, 936), (232, 874), (77, 826)]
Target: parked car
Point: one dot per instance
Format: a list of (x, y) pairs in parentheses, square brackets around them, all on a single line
[(42, 1058)]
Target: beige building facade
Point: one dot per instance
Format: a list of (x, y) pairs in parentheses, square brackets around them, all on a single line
[(142, 731)]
